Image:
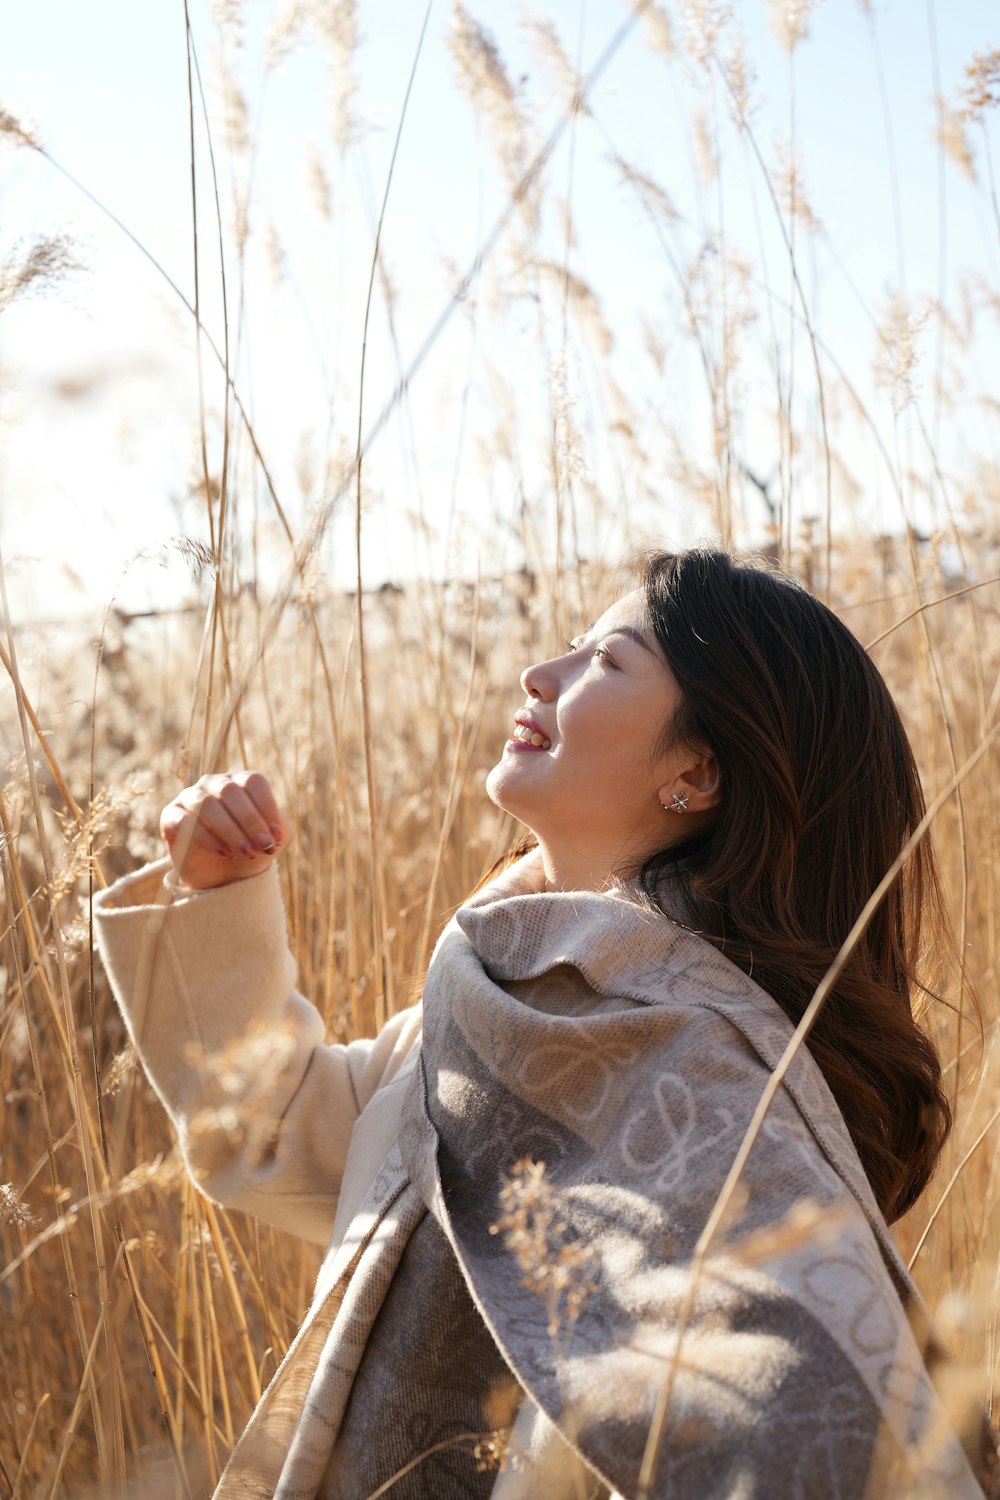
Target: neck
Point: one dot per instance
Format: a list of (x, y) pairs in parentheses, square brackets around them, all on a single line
[(581, 870)]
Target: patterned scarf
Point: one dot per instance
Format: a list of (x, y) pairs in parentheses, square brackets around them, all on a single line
[(605, 1063)]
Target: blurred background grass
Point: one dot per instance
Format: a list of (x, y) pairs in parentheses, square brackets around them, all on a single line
[(626, 288)]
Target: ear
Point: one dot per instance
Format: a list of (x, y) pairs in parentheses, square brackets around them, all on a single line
[(698, 781)]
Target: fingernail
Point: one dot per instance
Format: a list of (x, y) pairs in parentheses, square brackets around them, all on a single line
[(266, 842), (221, 849), (275, 829), (248, 849)]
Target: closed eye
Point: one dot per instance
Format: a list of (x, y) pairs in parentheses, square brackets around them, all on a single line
[(599, 651)]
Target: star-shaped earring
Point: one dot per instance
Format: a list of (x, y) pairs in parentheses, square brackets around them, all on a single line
[(678, 803)]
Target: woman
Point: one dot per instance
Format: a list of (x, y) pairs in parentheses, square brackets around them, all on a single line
[(512, 1179)]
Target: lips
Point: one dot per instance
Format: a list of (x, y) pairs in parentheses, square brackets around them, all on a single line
[(523, 718), (529, 735)]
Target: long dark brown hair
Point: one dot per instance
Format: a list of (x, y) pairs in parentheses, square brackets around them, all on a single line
[(819, 794), (820, 791)]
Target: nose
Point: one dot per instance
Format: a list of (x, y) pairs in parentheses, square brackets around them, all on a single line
[(538, 681)]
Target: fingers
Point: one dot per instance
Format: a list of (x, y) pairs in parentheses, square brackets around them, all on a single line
[(228, 820), (258, 789), (230, 814), (186, 833)]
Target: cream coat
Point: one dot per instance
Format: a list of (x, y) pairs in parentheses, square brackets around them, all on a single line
[(200, 975)]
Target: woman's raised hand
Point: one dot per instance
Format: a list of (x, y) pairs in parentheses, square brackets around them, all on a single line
[(223, 828)]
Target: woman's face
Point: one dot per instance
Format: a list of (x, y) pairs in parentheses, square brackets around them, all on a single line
[(590, 788)]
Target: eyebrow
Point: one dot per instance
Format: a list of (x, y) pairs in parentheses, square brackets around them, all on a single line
[(634, 635)]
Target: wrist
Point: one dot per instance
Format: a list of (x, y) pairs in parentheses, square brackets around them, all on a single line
[(177, 885)]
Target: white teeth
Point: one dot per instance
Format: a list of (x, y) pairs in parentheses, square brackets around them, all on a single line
[(531, 737)]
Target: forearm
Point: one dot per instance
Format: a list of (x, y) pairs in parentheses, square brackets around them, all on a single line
[(262, 1108)]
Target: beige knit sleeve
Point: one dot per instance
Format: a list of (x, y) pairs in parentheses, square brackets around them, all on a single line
[(262, 1106)]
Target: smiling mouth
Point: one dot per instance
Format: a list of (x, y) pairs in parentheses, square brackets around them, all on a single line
[(524, 737)]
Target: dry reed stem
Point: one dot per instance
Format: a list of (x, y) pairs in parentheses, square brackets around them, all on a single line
[(82, 1114), (461, 753), (968, 588), (952, 1180), (475, 1438), (234, 1297), (22, 917), (217, 612), (43, 743), (87, 1384), (788, 238), (15, 1487), (383, 969)]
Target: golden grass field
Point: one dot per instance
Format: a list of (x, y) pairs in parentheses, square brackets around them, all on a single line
[(140, 1323)]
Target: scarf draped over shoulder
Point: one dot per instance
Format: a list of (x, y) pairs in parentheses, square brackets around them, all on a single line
[(589, 1069)]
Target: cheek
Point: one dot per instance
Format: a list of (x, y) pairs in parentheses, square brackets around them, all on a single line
[(611, 762), (629, 764)]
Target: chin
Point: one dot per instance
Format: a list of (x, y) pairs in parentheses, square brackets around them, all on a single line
[(494, 785), (501, 788)]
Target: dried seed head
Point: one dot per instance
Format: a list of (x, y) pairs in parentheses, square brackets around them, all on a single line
[(82, 844), (559, 1270), (981, 91), (119, 1070), (494, 1453), (198, 556), (284, 33), (479, 65), (319, 184), (569, 452), (587, 307), (12, 1209), (654, 197), (164, 1172), (235, 111), (240, 219), (740, 79), (228, 16), (275, 253), (896, 351), (790, 189), (656, 24), (15, 131), (706, 156), (484, 79), (950, 134), (336, 26), (704, 24), (789, 21), (548, 49), (37, 269)]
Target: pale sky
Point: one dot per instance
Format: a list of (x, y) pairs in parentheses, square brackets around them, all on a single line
[(98, 382)]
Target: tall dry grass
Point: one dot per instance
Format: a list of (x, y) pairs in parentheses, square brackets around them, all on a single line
[(140, 1322)]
